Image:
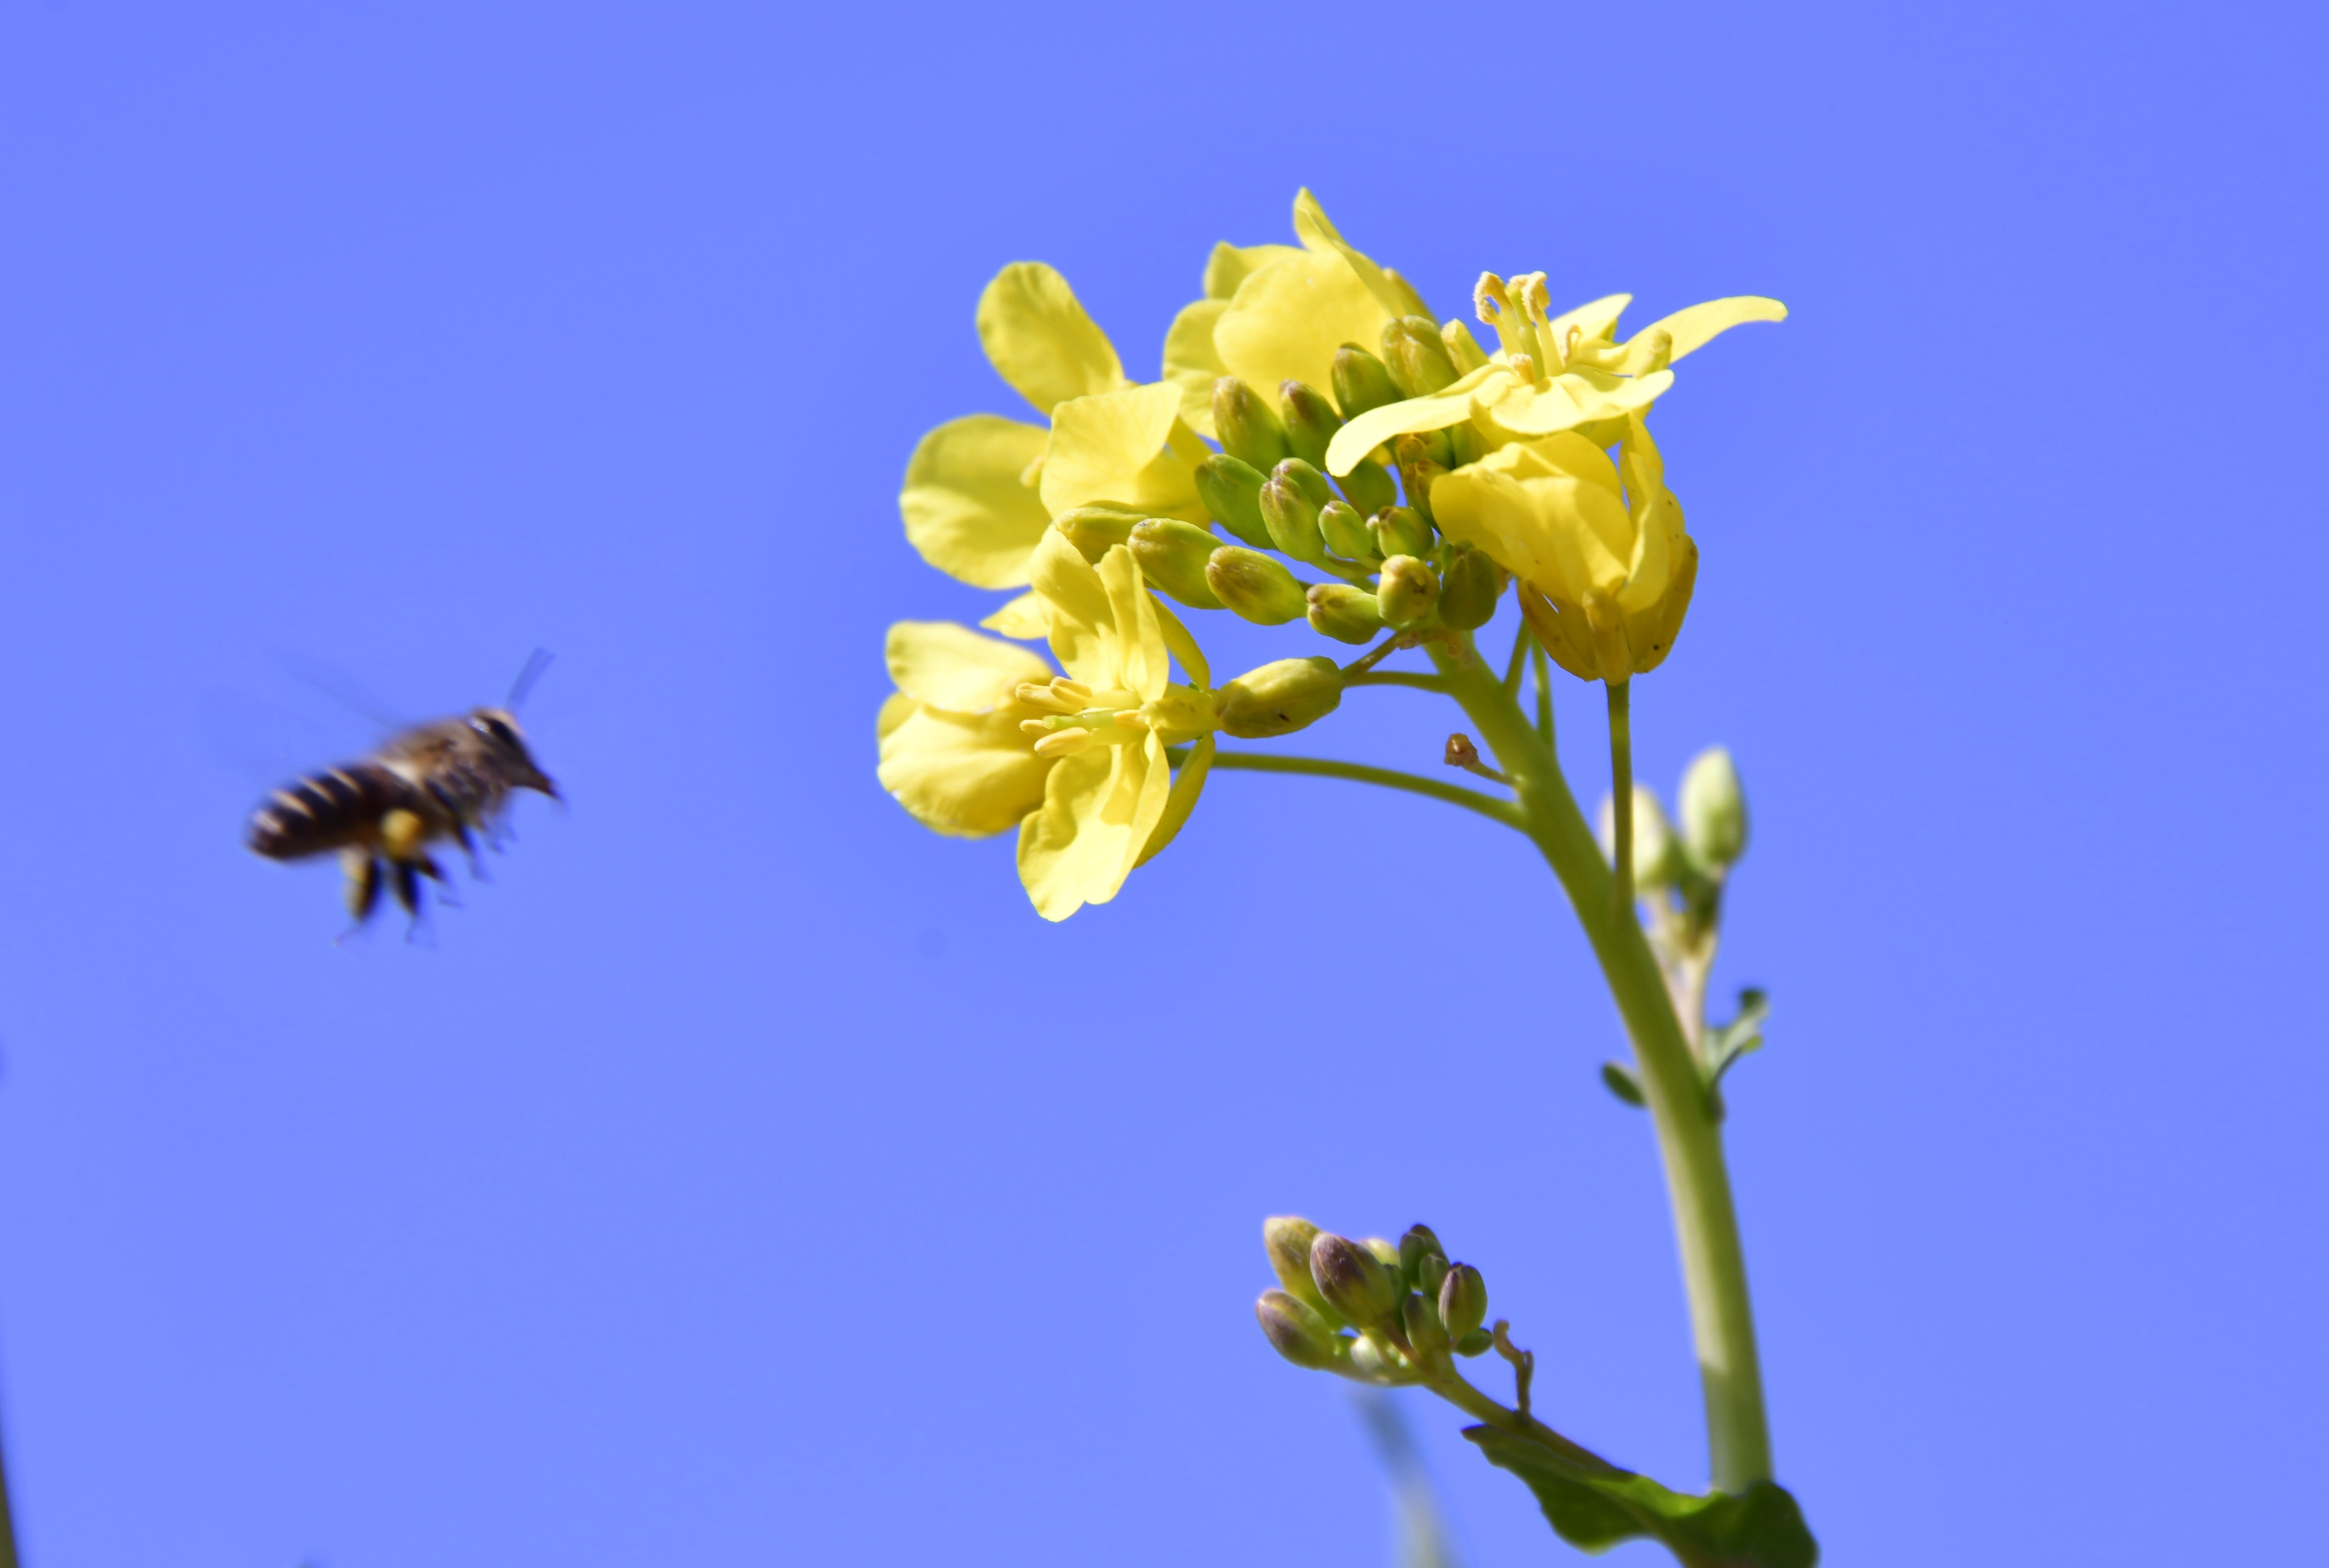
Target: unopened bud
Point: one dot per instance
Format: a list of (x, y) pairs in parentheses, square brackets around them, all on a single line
[(1355, 1282), (1346, 613), (1298, 1333), (1657, 858), (1713, 809), (1232, 491), (1426, 1334), (1461, 752), (1249, 432), (1369, 486), (1463, 1301), (1171, 556), (1313, 483), (1419, 469), (1416, 1245), (1097, 529), (1293, 520), (1469, 588), (1344, 531), (1311, 421), (1401, 531), (1478, 1342), (1361, 382), (1417, 360), (1287, 1239), (1431, 1273), (1463, 350), (1277, 699), (1256, 588), (1407, 592)]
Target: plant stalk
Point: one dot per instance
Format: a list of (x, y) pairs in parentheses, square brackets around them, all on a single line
[(1690, 1141)]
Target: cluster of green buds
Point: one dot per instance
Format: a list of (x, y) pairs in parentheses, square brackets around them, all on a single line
[(1376, 1311), (1386, 569)]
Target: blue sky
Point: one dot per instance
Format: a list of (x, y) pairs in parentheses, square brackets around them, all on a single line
[(745, 1175)]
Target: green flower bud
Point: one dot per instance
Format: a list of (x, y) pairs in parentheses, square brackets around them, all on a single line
[(1431, 1273), (1256, 588), (1713, 809), (1298, 1332), (1463, 351), (1417, 360), (1469, 586), (1399, 531), (1287, 1239), (1361, 382), (1293, 520), (1355, 1282), (1419, 468), (1476, 1342), (1386, 1252), (1464, 1301), (1407, 592), (1426, 1334), (1312, 482), (1277, 699), (1369, 486), (1232, 491), (1346, 613), (1657, 857), (1172, 556), (1311, 421), (1249, 432), (1344, 531), (1418, 1244), (1095, 529)]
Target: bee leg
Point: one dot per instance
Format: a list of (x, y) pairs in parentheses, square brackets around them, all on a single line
[(435, 872), (461, 834), (407, 887), (363, 871)]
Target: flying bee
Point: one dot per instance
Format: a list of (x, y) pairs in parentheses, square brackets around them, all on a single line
[(447, 780)]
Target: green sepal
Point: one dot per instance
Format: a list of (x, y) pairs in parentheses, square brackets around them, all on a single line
[(1361, 382), (1248, 428), (1232, 491), (1173, 556), (1594, 1509), (1369, 486), (1310, 421)]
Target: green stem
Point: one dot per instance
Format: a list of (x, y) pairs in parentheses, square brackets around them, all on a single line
[(1714, 1268), (1544, 696), (1396, 678), (1621, 793), (1487, 806)]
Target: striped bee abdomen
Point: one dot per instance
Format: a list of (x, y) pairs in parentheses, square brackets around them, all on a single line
[(327, 811)]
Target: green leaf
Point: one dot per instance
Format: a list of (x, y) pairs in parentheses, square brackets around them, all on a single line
[(1620, 1081), (1593, 1508), (1742, 1037)]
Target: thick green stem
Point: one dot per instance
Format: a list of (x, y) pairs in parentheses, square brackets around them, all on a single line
[(1714, 1270), (1621, 794)]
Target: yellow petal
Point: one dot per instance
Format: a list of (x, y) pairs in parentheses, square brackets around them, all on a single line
[(1696, 325), (1022, 619), (1076, 610), (1183, 646), (965, 775), (945, 665), (1451, 405), (1117, 447), (1187, 785), (1193, 364), (1286, 320), (1317, 232), (966, 508), (1040, 340), (1133, 637), (1573, 397), (1597, 319), (1229, 265), (1100, 809)]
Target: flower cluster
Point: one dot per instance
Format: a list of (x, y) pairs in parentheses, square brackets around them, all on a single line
[(1314, 409)]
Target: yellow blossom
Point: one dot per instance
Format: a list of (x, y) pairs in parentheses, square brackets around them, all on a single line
[(1277, 313), (1553, 373), (982, 735), (980, 491), (1605, 565)]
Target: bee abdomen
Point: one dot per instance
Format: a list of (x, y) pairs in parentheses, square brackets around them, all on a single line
[(327, 811)]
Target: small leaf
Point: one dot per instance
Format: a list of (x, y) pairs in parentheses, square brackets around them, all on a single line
[(1742, 1037), (1620, 1081), (1594, 1508)]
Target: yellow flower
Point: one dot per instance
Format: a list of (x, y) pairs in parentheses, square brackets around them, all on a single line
[(980, 491), (1605, 568), (1553, 373), (981, 735), (1277, 313)]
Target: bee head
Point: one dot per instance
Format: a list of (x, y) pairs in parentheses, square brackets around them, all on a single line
[(497, 727)]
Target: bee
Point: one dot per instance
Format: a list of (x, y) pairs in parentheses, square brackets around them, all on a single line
[(447, 780)]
